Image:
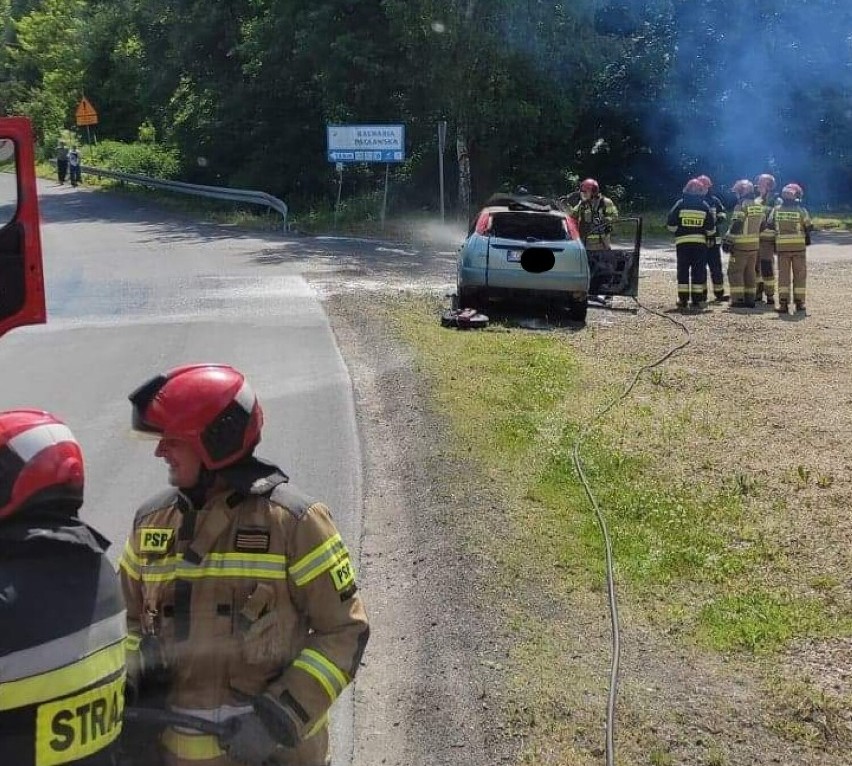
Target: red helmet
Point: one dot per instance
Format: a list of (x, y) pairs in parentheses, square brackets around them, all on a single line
[(694, 186), (706, 182), (39, 460), (743, 187), (210, 406), (591, 186), (765, 182), (792, 192)]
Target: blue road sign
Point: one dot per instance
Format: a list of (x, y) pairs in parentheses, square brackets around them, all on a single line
[(366, 143)]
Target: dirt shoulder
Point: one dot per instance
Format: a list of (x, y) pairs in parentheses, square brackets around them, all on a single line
[(425, 694), (771, 406)]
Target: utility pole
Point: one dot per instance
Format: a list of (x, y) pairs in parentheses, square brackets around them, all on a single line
[(442, 143)]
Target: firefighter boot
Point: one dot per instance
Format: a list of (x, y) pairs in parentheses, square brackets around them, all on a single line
[(783, 307), (800, 307)]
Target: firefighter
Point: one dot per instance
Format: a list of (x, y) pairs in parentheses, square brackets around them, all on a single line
[(741, 241), (765, 267), (595, 214), (693, 222), (62, 623), (792, 226), (714, 249), (240, 591)]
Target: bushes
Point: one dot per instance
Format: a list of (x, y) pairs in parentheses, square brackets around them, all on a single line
[(147, 159)]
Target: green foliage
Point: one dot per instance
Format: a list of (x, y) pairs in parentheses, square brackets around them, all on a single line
[(635, 94), (149, 159)]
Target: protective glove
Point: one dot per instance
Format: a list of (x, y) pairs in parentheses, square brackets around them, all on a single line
[(807, 237), (711, 242), (250, 742), (278, 719), (726, 246)]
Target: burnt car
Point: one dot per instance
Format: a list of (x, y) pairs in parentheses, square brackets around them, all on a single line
[(526, 247)]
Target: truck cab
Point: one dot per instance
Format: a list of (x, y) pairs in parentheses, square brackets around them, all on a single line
[(22, 300)]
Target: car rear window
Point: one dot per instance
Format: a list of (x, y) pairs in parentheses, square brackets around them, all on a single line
[(512, 225)]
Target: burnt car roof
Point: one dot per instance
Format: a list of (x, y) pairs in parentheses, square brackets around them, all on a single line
[(526, 202)]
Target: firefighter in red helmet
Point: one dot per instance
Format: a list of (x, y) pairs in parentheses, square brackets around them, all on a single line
[(693, 222), (765, 268), (62, 623), (595, 215), (714, 248), (791, 224), (741, 241), (240, 583)]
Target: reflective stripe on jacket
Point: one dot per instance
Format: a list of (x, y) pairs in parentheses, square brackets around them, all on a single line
[(249, 594), (691, 220), (790, 223), (62, 660), (590, 214), (747, 220)]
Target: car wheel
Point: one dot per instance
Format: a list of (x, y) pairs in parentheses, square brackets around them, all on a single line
[(577, 311)]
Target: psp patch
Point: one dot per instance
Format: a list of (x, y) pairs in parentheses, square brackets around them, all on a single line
[(76, 727), (252, 540), (155, 540), (343, 574)]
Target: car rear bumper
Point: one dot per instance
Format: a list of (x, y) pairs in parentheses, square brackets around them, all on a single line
[(519, 283)]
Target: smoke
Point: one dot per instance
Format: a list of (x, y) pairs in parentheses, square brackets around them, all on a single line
[(761, 86)]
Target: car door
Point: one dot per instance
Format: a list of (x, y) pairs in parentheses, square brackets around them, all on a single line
[(21, 275), (615, 271), (533, 251)]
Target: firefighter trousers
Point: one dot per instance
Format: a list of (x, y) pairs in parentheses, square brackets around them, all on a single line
[(792, 261), (765, 270), (714, 266), (741, 275), (691, 273)]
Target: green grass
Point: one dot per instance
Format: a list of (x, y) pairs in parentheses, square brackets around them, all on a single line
[(685, 551)]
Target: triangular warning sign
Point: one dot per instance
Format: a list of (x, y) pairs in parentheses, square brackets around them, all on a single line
[(86, 114)]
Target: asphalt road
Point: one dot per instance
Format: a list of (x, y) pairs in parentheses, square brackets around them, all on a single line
[(132, 292)]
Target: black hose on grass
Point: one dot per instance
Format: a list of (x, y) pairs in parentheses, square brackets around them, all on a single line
[(610, 580)]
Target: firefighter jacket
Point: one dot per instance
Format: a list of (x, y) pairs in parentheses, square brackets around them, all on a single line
[(691, 220), (791, 226), (594, 216), (747, 221), (252, 593), (62, 633)]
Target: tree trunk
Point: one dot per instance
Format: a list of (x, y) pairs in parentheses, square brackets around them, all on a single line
[(464, 173)]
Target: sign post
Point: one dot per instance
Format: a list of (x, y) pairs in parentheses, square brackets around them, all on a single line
[(442, 143), (339, 167), (350, 144)]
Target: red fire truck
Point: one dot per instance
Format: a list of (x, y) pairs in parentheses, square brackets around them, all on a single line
[(21, 274)]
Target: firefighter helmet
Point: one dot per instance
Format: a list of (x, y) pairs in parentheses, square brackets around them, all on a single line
[(743, 188), (40, 460), (792, 192), (694, 186), (210, 406), (591, 186), (705, 181), (765, 182)]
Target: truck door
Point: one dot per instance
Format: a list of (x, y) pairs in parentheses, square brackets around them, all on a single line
[(21, 275)]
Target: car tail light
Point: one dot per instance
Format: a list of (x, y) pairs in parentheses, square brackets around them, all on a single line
[(571, 226), (483, 223)]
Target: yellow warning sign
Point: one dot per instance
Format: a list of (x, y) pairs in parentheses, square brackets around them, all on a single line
[(86, 114)]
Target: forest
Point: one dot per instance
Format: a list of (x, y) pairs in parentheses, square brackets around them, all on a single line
[(640, 94)]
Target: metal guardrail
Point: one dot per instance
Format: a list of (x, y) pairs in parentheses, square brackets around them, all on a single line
[(248, 196)]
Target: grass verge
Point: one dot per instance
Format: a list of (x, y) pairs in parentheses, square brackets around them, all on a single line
[(695, 550)]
